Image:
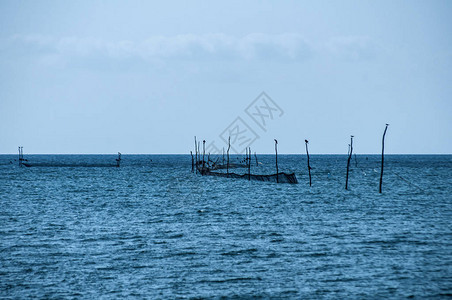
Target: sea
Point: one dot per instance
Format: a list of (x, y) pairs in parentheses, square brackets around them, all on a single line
[(77, 227)]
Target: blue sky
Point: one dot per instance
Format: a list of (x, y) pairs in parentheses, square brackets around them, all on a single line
[(145, 77)]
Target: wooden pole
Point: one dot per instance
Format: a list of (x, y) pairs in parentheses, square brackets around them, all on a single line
[(20, 158), (118, 160), (276, 155), (249, 163), (196, 157), (382, 156), (229, 147), (309, 166), (199, 154), (348, 161), (223, 157), (203, 154), (192, 162)]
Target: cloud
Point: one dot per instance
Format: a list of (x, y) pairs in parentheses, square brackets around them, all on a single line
[(158, 50), (289, 46), (353, 48), (180, 47)]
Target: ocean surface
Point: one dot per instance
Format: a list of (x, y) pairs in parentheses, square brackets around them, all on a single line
[(75, 227)]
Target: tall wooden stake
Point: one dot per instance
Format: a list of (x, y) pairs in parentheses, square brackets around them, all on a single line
[(382, 156), (203, 154), (255, 156), (192, 162), (229, 147), (309, 166), (20, 156), (196, 157), (249, 163), (118, 160), (276, 151), (199, 152), (348, 161)]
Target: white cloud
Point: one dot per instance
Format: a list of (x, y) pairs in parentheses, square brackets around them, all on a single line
[(353, 48), (188, 46)]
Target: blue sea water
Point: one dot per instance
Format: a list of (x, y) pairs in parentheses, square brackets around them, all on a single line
[(72, 227)]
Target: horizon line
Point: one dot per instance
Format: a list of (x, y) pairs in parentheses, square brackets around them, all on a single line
[(115, 153)]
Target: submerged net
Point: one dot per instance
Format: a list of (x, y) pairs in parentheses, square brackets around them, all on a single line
[(279, 178), (88, 162), (68, 165), (215, 165)]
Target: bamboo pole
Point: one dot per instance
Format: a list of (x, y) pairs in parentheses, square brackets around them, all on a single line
[(276, 155), (382, 156), (309, 166), (192, 162), (348, 160)]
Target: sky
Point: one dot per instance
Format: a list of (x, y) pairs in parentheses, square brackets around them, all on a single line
[(138, 77)]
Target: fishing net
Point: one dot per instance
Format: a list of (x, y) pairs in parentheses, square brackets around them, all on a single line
[(279, 178)]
